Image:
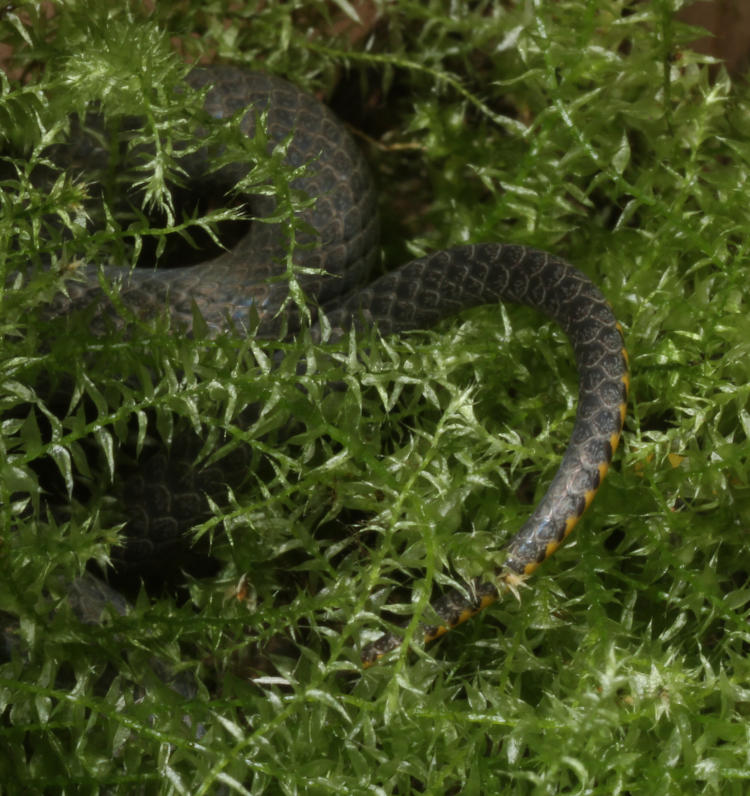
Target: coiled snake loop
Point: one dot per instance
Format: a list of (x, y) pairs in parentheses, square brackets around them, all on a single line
[(416, 295)]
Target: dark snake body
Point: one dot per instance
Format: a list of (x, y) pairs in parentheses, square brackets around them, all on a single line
[(416, 295)]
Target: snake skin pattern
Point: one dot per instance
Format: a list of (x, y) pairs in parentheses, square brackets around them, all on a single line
[(344, 231)]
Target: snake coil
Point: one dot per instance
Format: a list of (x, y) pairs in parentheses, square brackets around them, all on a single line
[(344, 229)]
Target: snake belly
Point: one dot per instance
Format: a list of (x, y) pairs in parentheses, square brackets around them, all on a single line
[(343, 241)]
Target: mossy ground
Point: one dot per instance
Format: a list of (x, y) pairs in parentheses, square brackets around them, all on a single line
[(586, 128)]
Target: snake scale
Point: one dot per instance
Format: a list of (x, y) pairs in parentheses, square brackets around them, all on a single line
[(343, 231)]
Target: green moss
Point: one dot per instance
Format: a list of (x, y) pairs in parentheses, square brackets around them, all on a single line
[(590, 129)]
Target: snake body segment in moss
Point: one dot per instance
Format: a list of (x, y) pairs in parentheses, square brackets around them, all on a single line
[(343, 240)]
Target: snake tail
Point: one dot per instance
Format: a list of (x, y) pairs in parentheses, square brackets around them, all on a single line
[(432, 287)]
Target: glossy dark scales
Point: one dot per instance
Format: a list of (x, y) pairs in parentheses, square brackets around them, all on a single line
[(416, 295)]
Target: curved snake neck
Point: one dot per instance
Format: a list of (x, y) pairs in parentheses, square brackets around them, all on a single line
[(344, 230)]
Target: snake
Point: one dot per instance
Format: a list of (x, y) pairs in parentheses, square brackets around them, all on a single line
[(336, 248)]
